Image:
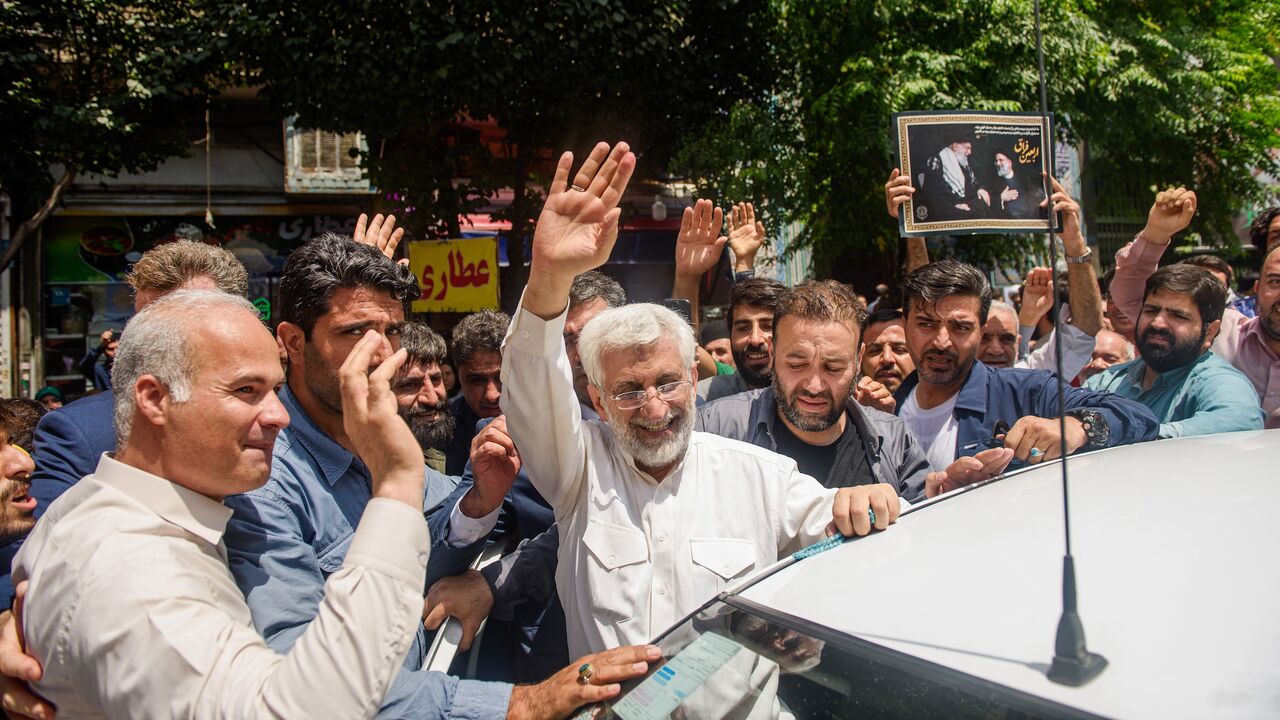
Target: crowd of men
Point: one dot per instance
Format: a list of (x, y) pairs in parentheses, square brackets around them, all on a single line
[(244, 524)]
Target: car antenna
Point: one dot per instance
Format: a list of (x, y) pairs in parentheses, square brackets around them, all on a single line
[(1073, 664)]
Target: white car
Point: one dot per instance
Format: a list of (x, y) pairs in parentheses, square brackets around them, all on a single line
[(952, 612)]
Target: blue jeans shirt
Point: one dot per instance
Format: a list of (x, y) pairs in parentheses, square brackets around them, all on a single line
[(288, 536)]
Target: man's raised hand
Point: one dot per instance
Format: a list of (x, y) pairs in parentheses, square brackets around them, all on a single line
[(699, 244), (746, 235), (495, 462), (1037, 295), (1170, 213), (1072, 239), (379, 233), (371, 420), (579, 221), (897, 190)]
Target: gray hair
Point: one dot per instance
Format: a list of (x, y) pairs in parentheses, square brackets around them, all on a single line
[(157, 343), (594, 284), (1002, 306), (424, 345), (632, 326)]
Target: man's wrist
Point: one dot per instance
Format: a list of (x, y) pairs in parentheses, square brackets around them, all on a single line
[(475, 506), (1152, 237), (744, 263)]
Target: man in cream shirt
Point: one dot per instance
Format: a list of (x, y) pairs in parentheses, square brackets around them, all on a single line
[(654, 519), (131, 608)]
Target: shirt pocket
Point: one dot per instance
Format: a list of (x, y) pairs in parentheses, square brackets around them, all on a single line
[(617, 571), (719, 561)]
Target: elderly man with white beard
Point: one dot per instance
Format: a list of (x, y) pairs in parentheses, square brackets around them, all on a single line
[(654, 518)]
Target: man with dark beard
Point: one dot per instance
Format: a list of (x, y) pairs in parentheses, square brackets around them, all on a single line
[(1251, 345), (751, 309), (419, 389), (810, 414), (1191, 390), (955, 405)]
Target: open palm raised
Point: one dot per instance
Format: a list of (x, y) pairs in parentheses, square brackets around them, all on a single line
[(579, 221)]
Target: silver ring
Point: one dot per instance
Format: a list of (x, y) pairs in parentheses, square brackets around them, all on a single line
[(579, 188), (1035, 452)]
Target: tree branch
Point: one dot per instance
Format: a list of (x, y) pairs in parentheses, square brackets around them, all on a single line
[(30, 226)]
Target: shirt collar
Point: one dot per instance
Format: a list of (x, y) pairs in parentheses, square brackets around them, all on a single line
[(972, 395), (1176, 376), (333, 459), (198, 514)]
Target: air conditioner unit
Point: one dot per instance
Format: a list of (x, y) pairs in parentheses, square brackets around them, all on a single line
[(321, 161)]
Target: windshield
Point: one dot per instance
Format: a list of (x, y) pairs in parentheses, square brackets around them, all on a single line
[(734, 662)]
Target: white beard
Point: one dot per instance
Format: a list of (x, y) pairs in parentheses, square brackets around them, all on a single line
[(1005, 174), (648, 455)]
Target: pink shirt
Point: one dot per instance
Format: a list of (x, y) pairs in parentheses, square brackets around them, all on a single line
[(1239, 342)]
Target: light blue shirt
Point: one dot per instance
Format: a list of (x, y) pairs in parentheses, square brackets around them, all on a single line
[(1207, 396), (287, 537)]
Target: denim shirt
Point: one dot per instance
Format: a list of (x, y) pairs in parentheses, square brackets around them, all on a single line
[(990, 395), (1207, 396), (287, 537)]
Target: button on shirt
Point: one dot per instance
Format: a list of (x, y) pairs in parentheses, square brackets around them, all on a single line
[(288, 536), (637, 554), (1207, 396), (133, 612)]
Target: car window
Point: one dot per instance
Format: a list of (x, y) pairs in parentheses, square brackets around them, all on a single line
[(727, 662)]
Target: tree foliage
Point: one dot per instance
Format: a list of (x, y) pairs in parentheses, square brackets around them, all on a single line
[(551, 74), (96, 85), (1157, 94)]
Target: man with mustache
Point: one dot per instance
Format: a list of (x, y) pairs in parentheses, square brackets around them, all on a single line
[(1111, 349), (17, 505), (885, 357), (477, 349), (288, 537), (638, 547), (419, 389), (1191, 390), (955, 405), (1252, 345), (750, 317), (810, 415)]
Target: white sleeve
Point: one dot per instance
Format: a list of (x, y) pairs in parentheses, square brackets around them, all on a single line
[(164, 648), (1077, 350), (464, 530), (543, 415)]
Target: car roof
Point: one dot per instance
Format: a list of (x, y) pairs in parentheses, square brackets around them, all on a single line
[(1175, 548)]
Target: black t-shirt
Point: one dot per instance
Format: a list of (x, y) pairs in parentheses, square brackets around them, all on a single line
[(814, 460)]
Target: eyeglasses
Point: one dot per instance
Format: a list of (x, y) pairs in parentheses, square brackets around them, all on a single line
[(668, 393)]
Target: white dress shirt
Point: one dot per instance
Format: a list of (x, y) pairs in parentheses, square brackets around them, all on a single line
[(636, 554), (133, 613), (1077, 348)]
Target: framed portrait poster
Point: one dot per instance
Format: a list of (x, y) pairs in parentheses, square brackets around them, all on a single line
[(974, 172)]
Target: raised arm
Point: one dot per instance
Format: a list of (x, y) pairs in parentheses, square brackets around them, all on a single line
[(1170, 214), (897, 191), (1082, 279), (575, 233), (698, 249)]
